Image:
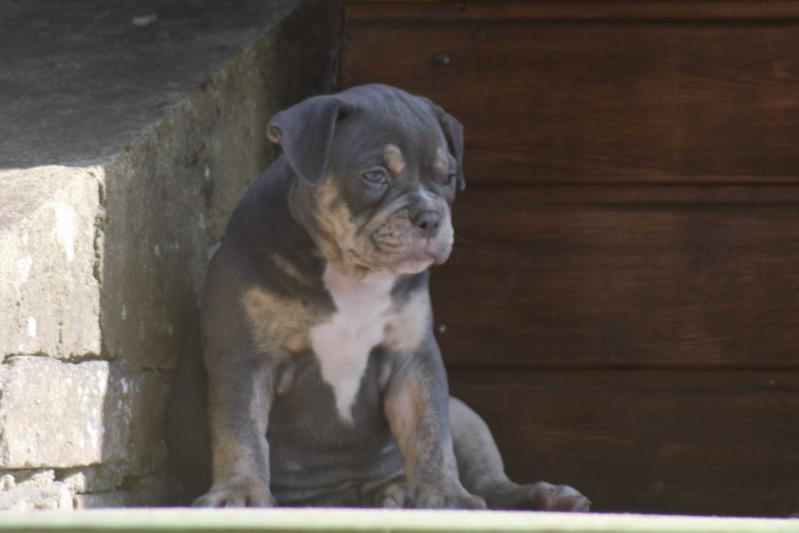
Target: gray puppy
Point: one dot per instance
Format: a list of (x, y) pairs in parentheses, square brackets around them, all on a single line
[(321, 381)]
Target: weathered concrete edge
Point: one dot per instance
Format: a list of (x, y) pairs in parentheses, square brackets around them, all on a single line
[(201, 157)]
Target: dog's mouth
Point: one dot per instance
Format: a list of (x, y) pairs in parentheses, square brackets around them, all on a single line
[(428, 250), (418, 259), (420, 254)]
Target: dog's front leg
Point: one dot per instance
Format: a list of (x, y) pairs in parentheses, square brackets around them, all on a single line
[(416, 405), (240, 396)]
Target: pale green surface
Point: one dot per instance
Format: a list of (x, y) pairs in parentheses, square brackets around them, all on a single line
[(372, 520)]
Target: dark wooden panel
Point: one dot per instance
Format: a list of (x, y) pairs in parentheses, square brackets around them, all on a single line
[(581, 246), (458, 10), (696, 443), (677, 281), (598, 102)]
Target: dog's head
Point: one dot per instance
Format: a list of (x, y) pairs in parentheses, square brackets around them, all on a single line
[(378, 169)]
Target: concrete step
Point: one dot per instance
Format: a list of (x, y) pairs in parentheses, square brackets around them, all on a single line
[(128, 131)]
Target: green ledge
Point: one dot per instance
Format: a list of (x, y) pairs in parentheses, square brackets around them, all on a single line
[(285, 520)]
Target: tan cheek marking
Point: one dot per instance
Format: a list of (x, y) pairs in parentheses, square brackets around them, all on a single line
[(441, 164), (394, 159), (406, 332), (335, 220), (279, 326)]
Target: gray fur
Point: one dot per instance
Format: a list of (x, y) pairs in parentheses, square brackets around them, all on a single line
[(263, 417)]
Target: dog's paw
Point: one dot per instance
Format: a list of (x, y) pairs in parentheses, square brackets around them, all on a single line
[(544, 496), (239, 492), (450, 497)]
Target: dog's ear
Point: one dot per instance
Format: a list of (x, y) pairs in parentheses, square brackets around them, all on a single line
[(305, 132), (453, 133)]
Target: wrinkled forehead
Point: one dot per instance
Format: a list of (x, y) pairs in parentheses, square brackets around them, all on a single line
[(397, 131)]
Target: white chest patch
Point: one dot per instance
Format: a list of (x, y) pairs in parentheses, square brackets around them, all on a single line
[(344, 342)]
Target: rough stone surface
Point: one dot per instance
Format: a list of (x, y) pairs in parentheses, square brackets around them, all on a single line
[(49, 295), (51, 413), (144, 491), (169, 195), (82, 488), (38, 490), (59, 414), (88, 479)]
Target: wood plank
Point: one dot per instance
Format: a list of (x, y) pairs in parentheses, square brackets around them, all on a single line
[(632, 284), (458, 10), (613, 193), (693, 444), (573, 102)]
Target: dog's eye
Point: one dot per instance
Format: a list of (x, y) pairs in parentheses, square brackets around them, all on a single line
[(450, 178), (376, 176)]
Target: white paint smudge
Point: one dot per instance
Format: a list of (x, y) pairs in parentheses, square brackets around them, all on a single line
[(124, 312), (94, 435), (24, 267), (66, 227), (31, 326)]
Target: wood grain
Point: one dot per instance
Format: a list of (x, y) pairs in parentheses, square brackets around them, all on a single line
[(668, 283), (680, 442), (577, 102), (371, 11), (622, 305)]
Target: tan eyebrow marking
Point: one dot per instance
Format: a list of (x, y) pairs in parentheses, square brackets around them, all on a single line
[(394, 160), (441, 163)]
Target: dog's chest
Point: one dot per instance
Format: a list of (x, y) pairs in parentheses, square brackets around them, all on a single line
[(343, 343)]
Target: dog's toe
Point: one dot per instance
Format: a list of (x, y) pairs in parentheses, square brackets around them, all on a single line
[(547, 497), (237, 493)]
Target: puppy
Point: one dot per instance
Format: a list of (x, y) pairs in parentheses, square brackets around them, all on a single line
[(321, 382)]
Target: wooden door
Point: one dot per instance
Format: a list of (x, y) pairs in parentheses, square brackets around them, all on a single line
[(623, 302)]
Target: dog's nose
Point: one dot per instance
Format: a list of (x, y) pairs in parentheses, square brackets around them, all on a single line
[(428, 222)]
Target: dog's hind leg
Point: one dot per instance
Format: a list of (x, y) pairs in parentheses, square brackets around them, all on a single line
[(482, 473)]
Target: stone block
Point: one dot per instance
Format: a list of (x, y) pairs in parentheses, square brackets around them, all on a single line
[(96, 478), (61, 415), (135, 415), (51, 413), (49, 291), (38, 490), (144, 491)]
